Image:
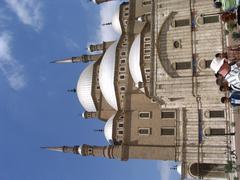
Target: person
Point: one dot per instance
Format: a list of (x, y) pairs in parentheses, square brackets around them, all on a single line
[(233, 99), (224, 88), (230, 72), (226, 5)]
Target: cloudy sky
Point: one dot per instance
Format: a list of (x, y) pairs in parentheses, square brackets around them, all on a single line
[(35, 108)]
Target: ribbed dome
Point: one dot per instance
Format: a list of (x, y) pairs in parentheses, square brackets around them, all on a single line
[(108, 129), (116, 21), (106, 76), (134, 60), (84, 89), (179, 168)]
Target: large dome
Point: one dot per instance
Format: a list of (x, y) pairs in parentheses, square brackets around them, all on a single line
[(116, 21), (106, 76), (84, 89), (134, 60), (108, 129)]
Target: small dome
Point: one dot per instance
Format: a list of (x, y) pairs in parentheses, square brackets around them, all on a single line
[(84, 89), (106, 76), (179, 169), (116, 21), (108, 130), (134, 61)]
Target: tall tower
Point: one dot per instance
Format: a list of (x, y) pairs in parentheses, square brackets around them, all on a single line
[(100, 1), (83, 58), (111, 152)]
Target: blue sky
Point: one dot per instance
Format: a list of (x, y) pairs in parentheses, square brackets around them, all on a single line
[(35, 108)]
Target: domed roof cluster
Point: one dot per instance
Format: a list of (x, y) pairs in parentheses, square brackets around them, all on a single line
[(106, 77)]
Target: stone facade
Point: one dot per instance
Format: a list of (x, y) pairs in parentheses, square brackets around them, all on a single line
[(175, 113)]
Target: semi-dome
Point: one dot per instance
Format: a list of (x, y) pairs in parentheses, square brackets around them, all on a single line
[(116, 21), (106, 76), (84, 89), (134, 60), (108, 130), (179, 169)]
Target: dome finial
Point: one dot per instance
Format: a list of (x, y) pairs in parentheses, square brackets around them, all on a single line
[(72, 90), (107, 24), (98, 130)]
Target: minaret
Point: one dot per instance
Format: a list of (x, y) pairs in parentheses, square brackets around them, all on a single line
[(111, 152), (100, 1), (99, 47), (78, 59)]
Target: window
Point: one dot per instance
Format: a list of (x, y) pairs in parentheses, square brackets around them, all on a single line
[(144, 115), (168, 114), (122, 89), (123, 53), (217, 132), (120, 125), (144, 131), (216, 114), (120, 132), (147, 57), (125, 14), (147, 39), (147, 51), (147, 70), (207, 63), (177, 44), (182, 22), (122, 69), (210, 19), (98, 87), (146, 2), (167, 131), (122, 61), (183, 65), (122, 77)]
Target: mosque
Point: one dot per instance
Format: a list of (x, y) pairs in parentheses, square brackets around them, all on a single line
[(154, 89)]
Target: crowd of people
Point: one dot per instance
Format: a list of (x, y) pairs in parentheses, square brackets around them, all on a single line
[(227, 74), (227, 70)]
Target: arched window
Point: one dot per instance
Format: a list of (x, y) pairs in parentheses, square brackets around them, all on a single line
[(207, 170)]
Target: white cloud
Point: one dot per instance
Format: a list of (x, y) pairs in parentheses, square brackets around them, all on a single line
[(28, 11), (10, 68), (107, 10), (71, 44)]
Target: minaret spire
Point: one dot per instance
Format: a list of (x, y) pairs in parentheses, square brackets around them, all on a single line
[(72, 90), (65, 149), (107, 24), (83, 58), (110, 152)]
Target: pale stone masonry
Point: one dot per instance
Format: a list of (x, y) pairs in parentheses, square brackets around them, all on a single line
[(154, 88)]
